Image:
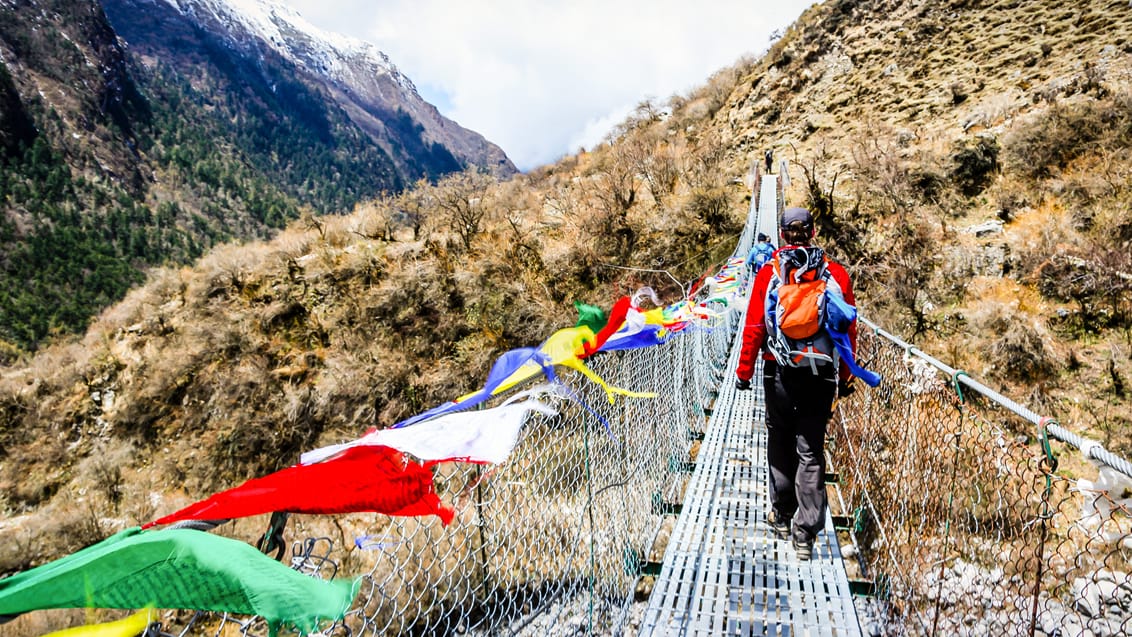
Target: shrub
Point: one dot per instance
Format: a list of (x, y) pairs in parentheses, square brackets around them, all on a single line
[(1065, 131), (1015, 351), (1019, 354), (1100, 291), (713, 207), (905, 270), (974, 166)]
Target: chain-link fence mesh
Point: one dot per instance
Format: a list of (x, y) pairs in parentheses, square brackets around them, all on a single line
[(967, 517), (553, 541)]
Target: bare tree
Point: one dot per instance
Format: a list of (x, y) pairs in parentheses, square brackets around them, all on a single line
[(705, 166), (877, 158), (413, 206), (617, 182), (461, 197), (818, 198), (653, 158), (562, 202), (376, 221), (663, 169), (645, 114), (613, 189)]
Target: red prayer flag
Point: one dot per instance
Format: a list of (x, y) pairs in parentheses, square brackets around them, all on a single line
[(369, 478), (616, 318)]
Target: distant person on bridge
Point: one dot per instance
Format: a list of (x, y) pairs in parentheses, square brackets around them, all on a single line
[(769, 157), (802, 373), (762, 251)]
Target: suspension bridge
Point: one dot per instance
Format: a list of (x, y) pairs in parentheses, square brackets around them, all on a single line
[(952, 512), (725, 572)]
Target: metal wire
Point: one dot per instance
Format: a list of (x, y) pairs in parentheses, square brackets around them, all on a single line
[(552, 541), (1091, 449), (1013, 546)]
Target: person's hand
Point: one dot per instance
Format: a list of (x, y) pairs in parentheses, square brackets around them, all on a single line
[(845, 387), (742, 385)]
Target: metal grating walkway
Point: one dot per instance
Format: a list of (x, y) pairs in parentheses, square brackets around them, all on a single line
[(724, 571)]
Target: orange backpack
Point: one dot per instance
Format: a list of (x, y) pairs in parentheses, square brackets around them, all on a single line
[(796, 308)]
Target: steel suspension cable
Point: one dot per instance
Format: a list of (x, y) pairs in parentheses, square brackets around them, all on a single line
[(1090, 449)]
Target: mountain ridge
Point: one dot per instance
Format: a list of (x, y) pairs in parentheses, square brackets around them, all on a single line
[(119, 155), (368, 84)]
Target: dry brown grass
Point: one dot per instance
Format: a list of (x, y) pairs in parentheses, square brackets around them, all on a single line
[(1049, 92)]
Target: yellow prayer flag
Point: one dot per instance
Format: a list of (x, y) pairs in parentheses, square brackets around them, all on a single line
[(128, 627)]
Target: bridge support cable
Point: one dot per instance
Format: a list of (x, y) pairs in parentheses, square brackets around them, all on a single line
[(1092, 450), (724, 570), (1028, 540)]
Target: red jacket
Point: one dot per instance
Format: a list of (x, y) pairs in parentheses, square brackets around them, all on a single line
[(754, 329)]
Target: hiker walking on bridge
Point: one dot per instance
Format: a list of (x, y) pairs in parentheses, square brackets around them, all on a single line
[(802, 372), (760, 253)]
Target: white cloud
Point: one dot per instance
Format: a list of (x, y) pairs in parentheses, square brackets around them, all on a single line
[(595, 129), (540, 78)]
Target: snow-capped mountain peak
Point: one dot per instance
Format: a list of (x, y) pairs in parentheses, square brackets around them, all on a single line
[(352, 73), (333, 55)]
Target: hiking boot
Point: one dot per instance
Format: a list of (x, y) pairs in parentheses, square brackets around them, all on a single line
[(804, 548), (780, 526)]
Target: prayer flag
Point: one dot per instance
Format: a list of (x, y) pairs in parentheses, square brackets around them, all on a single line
[(506, 366), (616, 319), (590, 316), (563, 348), (647, 336), (178, 568), (486, 436), (368, 478), (127, 627)]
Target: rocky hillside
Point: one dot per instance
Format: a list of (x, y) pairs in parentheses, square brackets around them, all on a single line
[(150, 137), (969, 160)]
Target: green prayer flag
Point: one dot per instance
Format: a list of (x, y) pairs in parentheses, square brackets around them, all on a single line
[(178, 568), (590, 316)]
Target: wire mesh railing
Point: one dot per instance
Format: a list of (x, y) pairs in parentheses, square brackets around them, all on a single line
[(553, 540), (967, 515)]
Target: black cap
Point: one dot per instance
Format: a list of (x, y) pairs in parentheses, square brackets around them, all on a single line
[(763, 237), (797, 216)]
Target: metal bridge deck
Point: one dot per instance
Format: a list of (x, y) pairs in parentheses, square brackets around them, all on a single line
[(724, 571)]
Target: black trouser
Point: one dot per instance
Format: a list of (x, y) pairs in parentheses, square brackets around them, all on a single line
[(798, 406)]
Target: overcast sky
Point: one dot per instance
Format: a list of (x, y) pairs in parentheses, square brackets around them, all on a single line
[(542, 78)]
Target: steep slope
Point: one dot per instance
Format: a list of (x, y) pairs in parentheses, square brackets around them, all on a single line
[(61, 58), (72, 127), (116, 157), (353, 74), (950, 69), (971, 159)]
